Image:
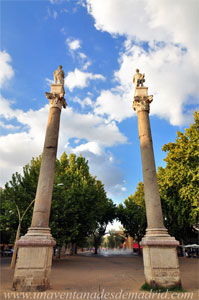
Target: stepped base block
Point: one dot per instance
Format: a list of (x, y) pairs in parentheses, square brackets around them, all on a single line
[(161, 265), (33, 268)]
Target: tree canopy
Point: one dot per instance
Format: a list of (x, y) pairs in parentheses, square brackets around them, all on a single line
[(132, 214), (179, 182), (79, 202), (18, 193)]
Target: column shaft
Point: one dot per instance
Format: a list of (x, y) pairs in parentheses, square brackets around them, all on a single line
[(161, 265), (35, 249), (46, 178), (152, 197)]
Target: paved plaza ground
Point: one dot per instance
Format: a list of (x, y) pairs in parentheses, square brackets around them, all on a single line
[(90, 273)]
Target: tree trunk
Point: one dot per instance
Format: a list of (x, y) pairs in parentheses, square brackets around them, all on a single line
[(59, 252), (96, 248), (14, 255), (139, 250), (96, 244), (72, 249)]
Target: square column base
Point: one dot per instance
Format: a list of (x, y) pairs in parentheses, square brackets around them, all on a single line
[(161, 266), (33, 267)]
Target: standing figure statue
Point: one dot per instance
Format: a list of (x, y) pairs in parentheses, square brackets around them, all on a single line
[(138, 79), (59, 76)]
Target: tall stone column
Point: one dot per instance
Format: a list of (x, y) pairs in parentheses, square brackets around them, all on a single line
[(161, 265), (35, 249)]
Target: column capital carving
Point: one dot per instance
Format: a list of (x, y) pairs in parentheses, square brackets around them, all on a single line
[(141, 103), (56, 100)]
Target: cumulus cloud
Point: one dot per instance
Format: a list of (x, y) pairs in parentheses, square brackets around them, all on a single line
[(80, 79), (169, 56), (6, 70), (148, 20), (117, 106), (102, 165), (91, 128), (27, 143), (168, 76)]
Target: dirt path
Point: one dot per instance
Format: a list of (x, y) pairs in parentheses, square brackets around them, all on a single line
[(111, 274)]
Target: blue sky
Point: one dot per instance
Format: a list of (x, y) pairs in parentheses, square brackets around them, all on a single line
[(99, 43)]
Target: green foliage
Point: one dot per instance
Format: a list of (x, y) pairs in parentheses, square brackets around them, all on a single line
[(113, 240), (178, 186), (179, 181), (105, 213), (132, 214), (79, 203), (19, 192), (161, 289)]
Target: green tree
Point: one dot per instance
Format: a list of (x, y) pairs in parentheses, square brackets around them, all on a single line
[(106, 212), (77, 202), (16, 197), (73, 202), (179, 181), (113, 239), (132, 214)]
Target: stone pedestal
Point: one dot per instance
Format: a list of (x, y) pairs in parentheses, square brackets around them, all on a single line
[(32, 272), (35, 249), (161, 266), (159, 248)]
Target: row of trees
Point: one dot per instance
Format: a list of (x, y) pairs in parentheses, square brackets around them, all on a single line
[(81, 209), (179, 191)]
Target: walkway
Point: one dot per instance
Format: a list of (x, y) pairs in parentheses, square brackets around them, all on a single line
[(97, 273)]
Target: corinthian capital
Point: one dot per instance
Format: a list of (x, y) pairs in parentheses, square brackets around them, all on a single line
[(56, 100), (141, 103)]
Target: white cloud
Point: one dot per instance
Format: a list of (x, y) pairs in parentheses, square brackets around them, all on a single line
[(168, 76), (28, 143), (92, 147), (101, 166), (148, 20), (84, 102), (8, 126), (82, 55), (84, 60), (91, 128), (170, 62), (80, 79), (116, 105), (50, 13), (86, 65), (6, 70), (73, 44)]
